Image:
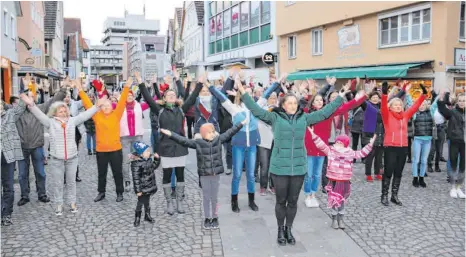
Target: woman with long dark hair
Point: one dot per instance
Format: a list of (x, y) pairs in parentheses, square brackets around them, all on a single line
[(288, 164)]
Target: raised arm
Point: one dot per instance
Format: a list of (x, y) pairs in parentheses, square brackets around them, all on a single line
[(191, 100), (227, 135), (364, 151), (320, 144), (85, 100), (324, 113), (442, 107), (83, 116), (44, 119), (228, 85), (226, 103), (257, 111), (413, 109), (350, 105), (146, 95), (186, 90), (179, 88), (183, 140), (121, 103), (434, 105)]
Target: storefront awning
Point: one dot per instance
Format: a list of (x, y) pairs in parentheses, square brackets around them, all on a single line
[(383, 71), (44, 73)]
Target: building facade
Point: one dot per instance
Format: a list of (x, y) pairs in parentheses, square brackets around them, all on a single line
[(31, 42), (87, 59), (74, 47), (239, 32), (11, 10), (419, 41), (178, 49), (192, 38), (53, 36), (147, 56), (107, 63)]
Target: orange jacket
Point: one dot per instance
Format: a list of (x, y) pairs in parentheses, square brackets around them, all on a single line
[(107, 127), (396, 124)]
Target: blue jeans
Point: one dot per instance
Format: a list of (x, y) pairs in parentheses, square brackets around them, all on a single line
[(314, 171), (173, 179), (8, 193), (37, 157), (90, 142), (421, 150), (240, 153)]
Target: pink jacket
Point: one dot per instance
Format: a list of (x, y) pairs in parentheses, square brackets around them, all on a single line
[(340, 164), (131, 123)]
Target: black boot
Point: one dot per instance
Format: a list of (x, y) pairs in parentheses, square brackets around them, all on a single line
[(234, 203), (430, 169), (137, 218), (281, 240), (421, 182), (416, 182), (99, 197), (437, 169), (252, 204), (119, 197), (289, 236), (147, 216), (395, 188), (385, 187), (78, 179)]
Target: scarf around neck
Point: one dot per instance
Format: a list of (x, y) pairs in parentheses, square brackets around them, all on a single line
[(206, 101)]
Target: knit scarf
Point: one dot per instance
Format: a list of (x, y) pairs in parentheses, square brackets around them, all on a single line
[(206, 101)]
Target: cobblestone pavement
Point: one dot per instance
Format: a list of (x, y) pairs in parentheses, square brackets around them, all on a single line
[(106, 228), (429, 223)]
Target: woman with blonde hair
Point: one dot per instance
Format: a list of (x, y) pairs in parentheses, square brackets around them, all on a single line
[(63, 148)]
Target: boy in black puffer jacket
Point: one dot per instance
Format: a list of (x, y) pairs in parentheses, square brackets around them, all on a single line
[(143, 168), (209, 164)]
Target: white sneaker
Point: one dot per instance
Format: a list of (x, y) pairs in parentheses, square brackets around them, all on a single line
[(453, 193), (460, 193), (314, 203), (308, 201), (59, 210)]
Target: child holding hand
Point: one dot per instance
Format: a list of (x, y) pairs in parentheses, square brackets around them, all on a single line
[(209, 164), (339, 172), (143, 169)]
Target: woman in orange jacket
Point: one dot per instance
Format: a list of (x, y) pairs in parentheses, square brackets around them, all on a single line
[(108, 147), (395, 122)]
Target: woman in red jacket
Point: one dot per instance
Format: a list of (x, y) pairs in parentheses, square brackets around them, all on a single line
[(395, 122)]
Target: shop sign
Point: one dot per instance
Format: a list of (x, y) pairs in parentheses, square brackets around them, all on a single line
[(460, 58), (348, 36), (268, 58), (29, 61), (36, 52)]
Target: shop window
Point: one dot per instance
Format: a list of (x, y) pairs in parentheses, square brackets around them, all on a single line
[(255, 13), (405, 27), (317, 42), (265, 32), (226, 22), (219, 25), (254, 35), (460, 85), (415, 91), (150, 47), (292, 47), (212, 7), (226, 44), (243, 39), (5, 22), (462, 22), (212, 30), (218, 47), (235, 19), (234, 41)]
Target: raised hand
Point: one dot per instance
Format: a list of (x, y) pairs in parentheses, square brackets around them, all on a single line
[(26, 99), (231, 92), (128, 83), (166, 132), (138, 77), (345, 89), (283, 77), (77, 84), (202, 78), (331, 80), (156, 155), (154, 79), (373, 139), (360, 94), (239, 85), (385, 88), (423, 88)]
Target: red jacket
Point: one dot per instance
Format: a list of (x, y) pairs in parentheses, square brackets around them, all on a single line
[(323, 128), (396, 124)]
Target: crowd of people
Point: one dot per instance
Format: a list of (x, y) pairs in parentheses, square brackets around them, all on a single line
[(285, 136)]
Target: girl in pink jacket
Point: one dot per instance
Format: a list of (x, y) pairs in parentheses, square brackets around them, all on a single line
[(339, 172)]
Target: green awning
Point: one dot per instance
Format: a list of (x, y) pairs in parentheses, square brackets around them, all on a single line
[(385, 71)]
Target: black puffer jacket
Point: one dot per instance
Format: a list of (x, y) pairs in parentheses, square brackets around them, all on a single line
[(358, 120), (455, 117), (170, 119), (423, 124), (209, 153), (144, 175)]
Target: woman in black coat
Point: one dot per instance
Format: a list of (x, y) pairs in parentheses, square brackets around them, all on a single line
[(171, 115)]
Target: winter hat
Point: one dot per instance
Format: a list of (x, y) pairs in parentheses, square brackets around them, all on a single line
[(140, 147), (344, 139)]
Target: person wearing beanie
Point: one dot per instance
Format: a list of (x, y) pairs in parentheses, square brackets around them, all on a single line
[(339, 172), (143, 170), (131, 129), (209, 164), (395, 122)]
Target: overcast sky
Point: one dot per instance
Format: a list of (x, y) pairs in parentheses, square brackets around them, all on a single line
[(93, 13)]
